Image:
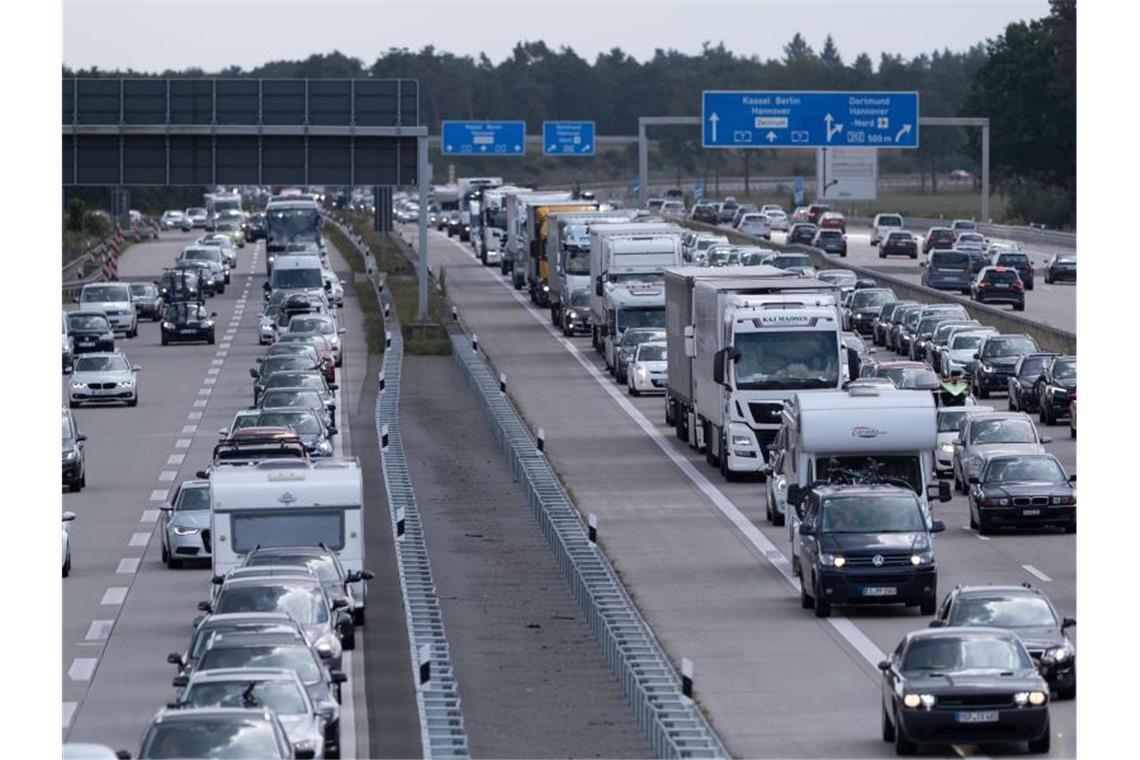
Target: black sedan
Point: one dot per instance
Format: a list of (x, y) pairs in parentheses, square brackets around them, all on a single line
[(963, 686), (1023, 388), (831, 241), (1061, 268), (1027, 612), (254, 228), (187, 321), (899, 244), (90, 331), (803, 233), (1057, 388), (179, 284), (1022, 491)]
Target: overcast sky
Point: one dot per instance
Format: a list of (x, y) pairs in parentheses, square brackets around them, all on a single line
[(153, 35)]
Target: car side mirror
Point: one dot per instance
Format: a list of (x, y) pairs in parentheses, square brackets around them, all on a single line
[(922, 264), (174, 659), (213, 313), (339, 604), (266, 287), (977, 355), (341, 331), (122, 754), (1046, 439), (598, 290), (67, 370), (937, 526), (81, 437), (884, 665), (206, 607), (936, 624), (136, 368), (338, 677), (1073, 478), (223, 432), (218, 580), (167, 508), (973, 480), (179, 682), (807, 529), (253, 373), (201, 474), (795, 493), (1068, 622), (333, 387), (367, 575)]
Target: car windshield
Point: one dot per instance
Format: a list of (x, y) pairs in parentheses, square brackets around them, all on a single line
[(1013, 260), (890, 221), (950, 420), (143, 290), (871, 514), (910, 378), (88, 322), (651, 352), (1004, 276), (944, 653), (795, 359), (833, 235), (1065, 370), (1065, 260), (1003, 431), (302, 422), (1008, 347), (205, 737), (180, 312), (306, 399), (297, 278), (950, 260), (1024, 470), (276, 363), (322, 566), (579, 299), (192, 499), (838, 276), (282, 697), (296, 657), (961, 342), (102, 293), (101, 364), (633, 338), (629, 318), (1032, 366), (866, 298), (309, 325), (200, 255), (304, 604), (1017, 611)]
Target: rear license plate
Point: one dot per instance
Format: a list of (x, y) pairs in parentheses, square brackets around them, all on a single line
[(880, 591), (977, 716), (187, 332), (1030, 512), (1001, 287)]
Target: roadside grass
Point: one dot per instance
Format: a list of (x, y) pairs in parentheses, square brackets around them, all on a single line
[(374, 328)]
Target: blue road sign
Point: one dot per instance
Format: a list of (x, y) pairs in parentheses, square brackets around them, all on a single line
[(698, 190), (778, 119), (636, 186), (483, 138), (799, 190), (568, 138)]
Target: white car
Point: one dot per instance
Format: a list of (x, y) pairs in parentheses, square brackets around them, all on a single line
[(68, 517), (174, 220), (334, 287), (673, 208), (267, 324), (114, 300), (884, 224), (949, 422), (102, 377), (777, 219), (647, 370), (755, 224), (323, 324)]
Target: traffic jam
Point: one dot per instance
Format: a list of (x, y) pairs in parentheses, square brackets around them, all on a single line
[(858, 413), (276, 514)]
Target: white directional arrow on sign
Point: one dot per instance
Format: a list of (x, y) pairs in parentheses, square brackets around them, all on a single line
[(552, 148), (713, 120), (832, 131), (449, 147), (585, 149), (483, 148), (905, 129), (771, 136)]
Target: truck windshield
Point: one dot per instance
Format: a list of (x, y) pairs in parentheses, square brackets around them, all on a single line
[(292, 225), (576, 260), (872, 514), (800, 359), (904, 467), (630, 318)]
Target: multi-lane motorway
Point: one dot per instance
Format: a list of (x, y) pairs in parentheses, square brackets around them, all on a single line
[(709, 574)]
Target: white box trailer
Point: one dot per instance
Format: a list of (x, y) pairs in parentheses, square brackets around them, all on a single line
[(287, 502), (568, 251), (895, 429), (493, 213), (515, 255)]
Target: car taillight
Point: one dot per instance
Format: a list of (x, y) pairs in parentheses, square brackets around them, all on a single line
[(1017, 286), (983, 284)]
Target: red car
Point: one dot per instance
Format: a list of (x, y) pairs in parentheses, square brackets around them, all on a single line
[(800, 214), (815, 211), (939, 237), (832, 220)]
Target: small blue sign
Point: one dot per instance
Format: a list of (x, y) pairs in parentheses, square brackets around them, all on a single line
[(779, 119), (483, 138), (568, 138), (799, 190), (698, 190), (636, 185)]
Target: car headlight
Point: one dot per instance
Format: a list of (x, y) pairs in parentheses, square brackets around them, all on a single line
[(741, 440), (914, 701), (324, 447), (127, 383), (947, 448), (207, 323), (75, 384), (642, 374), (572, 314), (834, 560), (921, 558), (327, 645), (987, 369), (1058, 654), (69, 454), (1038, 698), (184, 530), (107, 336), (305, 745)]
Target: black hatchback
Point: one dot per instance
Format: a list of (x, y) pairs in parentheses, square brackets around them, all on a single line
[(999, 285), (187, 321)]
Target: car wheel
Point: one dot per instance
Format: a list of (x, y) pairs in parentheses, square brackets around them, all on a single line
[(67, 565), (165, 340), (882, 255), (822, 608), (1013, 401), (1041, 746), (973, 522), (982, 392), (83, 480), (927, 606), (72, 404), (1047, 414), (1029, 285), (210, 341), (73, 486), (1072, 432), (983, 527), (1019, 307), (348, 643), (1069, 693), (888, 728), (904, 746), (134, 401), (914, 255), (165, 553)]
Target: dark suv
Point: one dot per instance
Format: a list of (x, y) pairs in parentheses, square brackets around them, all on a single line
[(939, 237), (1019, 262), (898, 244), (187, 321), (995, 359), (999, 285), (1057, 388), (74, 469), (948, 270), (831, 241), (866, 544), (706, 212)]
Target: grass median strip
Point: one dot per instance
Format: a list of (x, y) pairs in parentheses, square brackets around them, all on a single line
[(374, 326)]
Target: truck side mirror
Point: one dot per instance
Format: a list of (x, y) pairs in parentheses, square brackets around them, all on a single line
[(795, 494), (598, 285), (718, 367)]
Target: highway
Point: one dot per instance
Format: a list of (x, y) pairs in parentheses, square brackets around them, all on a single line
[(123, 609), (708, 573)]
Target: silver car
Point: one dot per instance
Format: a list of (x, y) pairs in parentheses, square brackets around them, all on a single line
[(103, 377), (184, 524), (225, 242), (949, 423), (114, 300), (277, 689), (267, 324), (215, 732), (997, 433), (323, 324), (334, 287), (214, 257)]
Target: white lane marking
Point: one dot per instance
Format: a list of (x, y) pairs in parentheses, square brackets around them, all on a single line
[(115, 595), (99, 630), (167, 476), (1037, 573), (139, 539), (149, 516), (201, 402), (844, 627), (82, 668), (225, 344), (68, 711), (182, 443), (221, 355), (214, 370), (128, 565), (159, 494), (189, 429), (191, 416), (210, 381), (203, 391), (218, 362)]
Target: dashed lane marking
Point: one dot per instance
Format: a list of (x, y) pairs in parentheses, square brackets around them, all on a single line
[(114, 595), (159, 494), (99, 630), (1037, 573), (139, 539), (149, 516), (128, 565)]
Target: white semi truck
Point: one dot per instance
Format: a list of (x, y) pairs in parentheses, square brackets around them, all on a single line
[(493, 222), (741, 341), (568, 252), (627, 263), (883, 434), (517, 252)]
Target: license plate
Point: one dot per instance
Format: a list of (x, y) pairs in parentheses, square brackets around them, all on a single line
[(187, 332), (1030, 512), (977, 716), (880, 591)]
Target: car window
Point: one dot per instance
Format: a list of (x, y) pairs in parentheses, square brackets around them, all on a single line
[(98, 293), (211, 737), (1024, 470), (304, 604), (88, 322), (1018, 611), (1065, 370), (101, 364), (292, 657), (1032, 366), (1008, 347), (1002, 431), (283, 697), (949, 653), (872, 514)]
